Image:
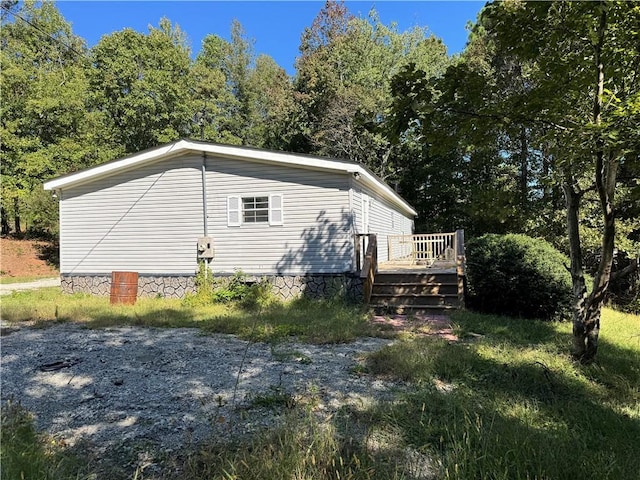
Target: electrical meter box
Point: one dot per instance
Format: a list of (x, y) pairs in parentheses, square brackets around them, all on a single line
[(205, 248)]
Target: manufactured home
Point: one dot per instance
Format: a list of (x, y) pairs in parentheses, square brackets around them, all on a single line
[(297, 220)]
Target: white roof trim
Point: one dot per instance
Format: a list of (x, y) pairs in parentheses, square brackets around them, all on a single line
[(267, 156), (108, 168)]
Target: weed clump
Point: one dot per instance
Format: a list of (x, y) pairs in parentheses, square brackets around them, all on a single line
[(235, 289)]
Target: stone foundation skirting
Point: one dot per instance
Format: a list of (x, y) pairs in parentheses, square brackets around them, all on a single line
[(284, 286), (148, 286)]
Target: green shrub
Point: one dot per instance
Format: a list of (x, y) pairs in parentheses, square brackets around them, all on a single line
[(230, 289), (258, 295), (518, 276)]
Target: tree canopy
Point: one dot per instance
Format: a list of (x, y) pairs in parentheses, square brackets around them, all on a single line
[(67, 107)]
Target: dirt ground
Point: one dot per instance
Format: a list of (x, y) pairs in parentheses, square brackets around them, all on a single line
[(27, 258)]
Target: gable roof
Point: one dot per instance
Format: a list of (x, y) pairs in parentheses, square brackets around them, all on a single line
[(183, 146)]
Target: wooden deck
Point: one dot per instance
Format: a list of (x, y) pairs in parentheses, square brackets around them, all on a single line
[(395, 266)]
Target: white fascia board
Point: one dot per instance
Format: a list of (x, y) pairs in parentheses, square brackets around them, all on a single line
[(117, 165), (187, 145), (268, 156)]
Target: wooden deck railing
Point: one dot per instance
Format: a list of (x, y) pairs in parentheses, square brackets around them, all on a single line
[(423, 249), (367, 264)]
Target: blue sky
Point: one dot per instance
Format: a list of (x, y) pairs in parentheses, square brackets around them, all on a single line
[(275, 26)]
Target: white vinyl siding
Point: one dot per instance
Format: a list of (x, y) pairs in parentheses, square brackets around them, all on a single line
[(145, 220), (310, 232), (148, 219)]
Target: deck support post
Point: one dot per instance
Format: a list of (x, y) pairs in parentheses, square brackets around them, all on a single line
[(369, 265), (460, 265)]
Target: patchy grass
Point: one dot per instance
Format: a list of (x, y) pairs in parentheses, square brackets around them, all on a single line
[(302, 447), (275, 399), (312, 321), (47, 306), (505, 402), (25, 454), (508, 402)]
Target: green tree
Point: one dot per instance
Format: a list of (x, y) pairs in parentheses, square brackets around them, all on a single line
[(586, 92), (45, 128), (237, 67), (273, 103), (142, 84), (478, 165), (343, 79), (245, 100), (213, 97), (544, 101)]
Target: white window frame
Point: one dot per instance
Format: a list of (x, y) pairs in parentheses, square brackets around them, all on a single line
[(253, 211), (235, 213)]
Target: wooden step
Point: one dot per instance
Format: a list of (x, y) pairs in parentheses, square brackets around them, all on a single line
[(413, 309), (415, 292), (415, 288), (414, 299), (421, 278)]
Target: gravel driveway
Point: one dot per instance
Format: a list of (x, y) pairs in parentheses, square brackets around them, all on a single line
[(7, 288), (171, 386)]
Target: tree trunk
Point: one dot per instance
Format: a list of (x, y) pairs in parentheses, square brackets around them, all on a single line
[(524, 166), (16, 216), (581, 331), (586, 319), (4, 221)]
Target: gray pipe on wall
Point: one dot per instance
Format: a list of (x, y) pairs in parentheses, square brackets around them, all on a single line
[(204, 194)]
